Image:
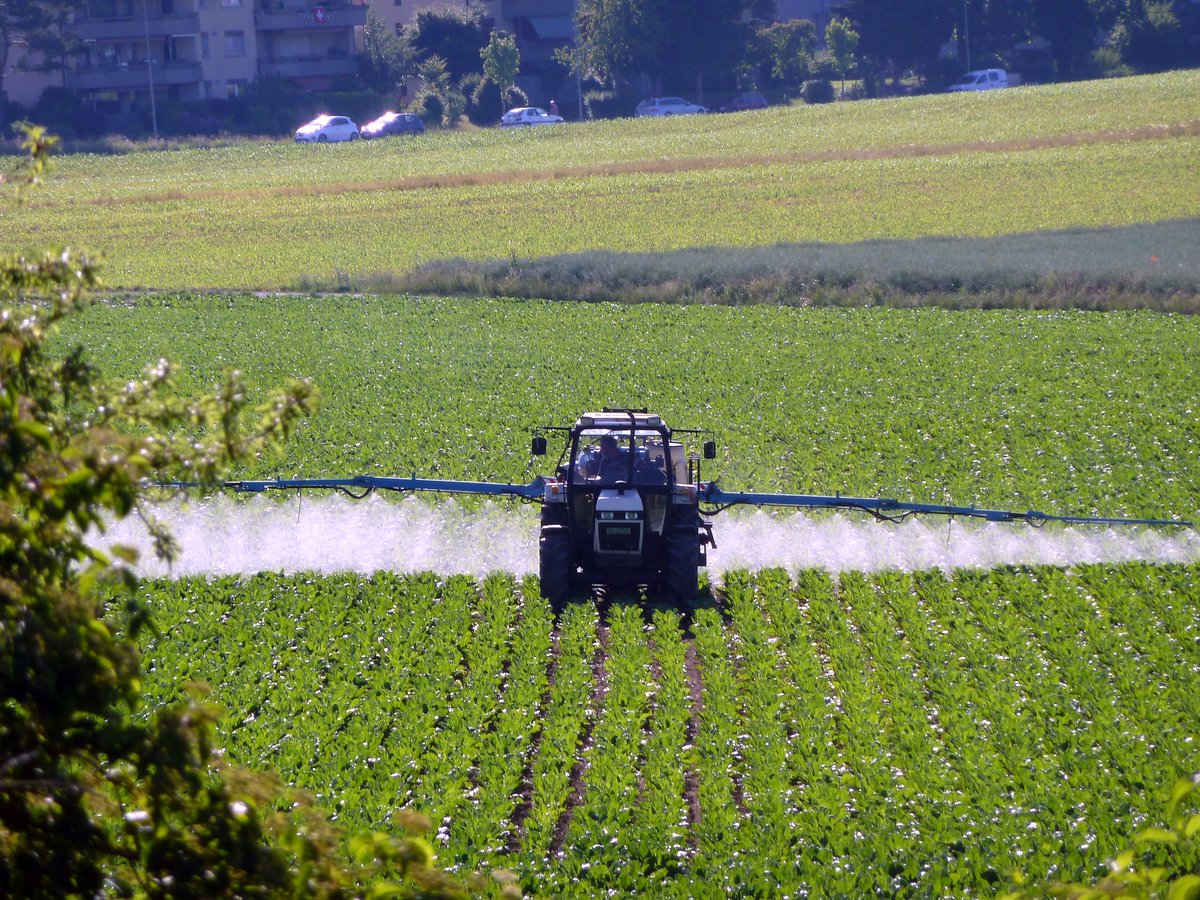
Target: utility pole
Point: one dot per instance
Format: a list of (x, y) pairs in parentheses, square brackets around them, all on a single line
[(967, 35), (149, 68), (575, 38)]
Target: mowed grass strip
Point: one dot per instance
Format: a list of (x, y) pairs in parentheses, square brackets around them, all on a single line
[(294, 239)]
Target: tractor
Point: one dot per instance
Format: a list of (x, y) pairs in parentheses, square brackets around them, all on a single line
[(626, 505), (623, 508)]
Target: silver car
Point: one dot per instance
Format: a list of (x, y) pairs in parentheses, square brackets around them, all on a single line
[(668, 106)]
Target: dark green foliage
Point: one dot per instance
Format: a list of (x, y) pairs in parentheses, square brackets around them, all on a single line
[(484, 104), (680, 48), (818, 90), (386, 60), (455, 34), (95, 797), (788, 49)]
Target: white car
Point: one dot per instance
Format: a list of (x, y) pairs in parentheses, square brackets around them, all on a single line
[(981, 80), (528, 115), (668, 106), (327, 129)]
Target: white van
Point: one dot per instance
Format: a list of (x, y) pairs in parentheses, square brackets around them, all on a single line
[(981, 80)]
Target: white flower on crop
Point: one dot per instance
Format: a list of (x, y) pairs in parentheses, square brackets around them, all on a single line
[(137, 815)]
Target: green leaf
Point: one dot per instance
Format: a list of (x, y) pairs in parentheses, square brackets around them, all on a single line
[(1182, 788), (1156, 835), (1185, 888), (1192, 826)]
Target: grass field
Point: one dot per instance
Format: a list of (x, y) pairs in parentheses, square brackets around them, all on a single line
[(1069, 156)]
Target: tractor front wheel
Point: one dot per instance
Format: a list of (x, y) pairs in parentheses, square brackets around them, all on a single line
[(681, 568), (554, 552)]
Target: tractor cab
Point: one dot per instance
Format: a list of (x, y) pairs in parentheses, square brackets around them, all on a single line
[(621, 506)]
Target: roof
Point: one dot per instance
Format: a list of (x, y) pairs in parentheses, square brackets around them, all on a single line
[(619, 419)]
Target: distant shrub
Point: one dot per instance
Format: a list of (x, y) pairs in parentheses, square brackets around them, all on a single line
[(430, 108), (1107, 63), (608, 104), (483, 99), (819, 90)]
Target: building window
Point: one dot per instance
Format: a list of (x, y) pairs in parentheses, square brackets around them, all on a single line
[(235, 43), (204, 45), (229, 4)]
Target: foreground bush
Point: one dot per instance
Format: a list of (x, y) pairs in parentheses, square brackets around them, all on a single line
[(94, 797)]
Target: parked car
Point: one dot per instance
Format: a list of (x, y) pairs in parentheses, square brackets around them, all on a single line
[(327, 129), (981, 80), (748, 100), (524, 116), (668, 106), (393, 123)]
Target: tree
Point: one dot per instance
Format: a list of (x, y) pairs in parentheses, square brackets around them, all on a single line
[(615, 39), (452, 33), (897, 35), (700, 46), (1070, 28), (94, 799), (672, 41), (386, 60), (42, 28), (1150, 36), (842, 42), (501, 63), (438, 102), (790, 47)]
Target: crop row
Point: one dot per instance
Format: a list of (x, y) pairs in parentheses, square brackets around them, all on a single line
[(890, 734), (1067, 412)]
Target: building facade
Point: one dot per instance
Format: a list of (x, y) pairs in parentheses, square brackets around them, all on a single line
[(199, 49)]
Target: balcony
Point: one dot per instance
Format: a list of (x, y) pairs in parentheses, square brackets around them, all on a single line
[(132, 76), (135, 27), (304, 18), (308, 67), (514, 9)]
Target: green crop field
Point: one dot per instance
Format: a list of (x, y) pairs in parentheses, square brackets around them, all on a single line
[(1067, 412), (911, 735), (278, 216), (800, 732)]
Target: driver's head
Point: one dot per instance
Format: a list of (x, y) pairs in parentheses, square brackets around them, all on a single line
[(608, 445)]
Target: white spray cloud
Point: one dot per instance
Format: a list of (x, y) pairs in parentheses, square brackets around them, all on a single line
[(223, 535)]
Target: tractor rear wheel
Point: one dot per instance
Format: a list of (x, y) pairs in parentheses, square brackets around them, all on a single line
[(681, 568), (554, 552)]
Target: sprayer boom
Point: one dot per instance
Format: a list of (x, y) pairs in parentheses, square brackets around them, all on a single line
[(894, 510), (361, 485), (627, 505)]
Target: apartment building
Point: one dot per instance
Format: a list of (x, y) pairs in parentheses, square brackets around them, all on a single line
[(199, 49)]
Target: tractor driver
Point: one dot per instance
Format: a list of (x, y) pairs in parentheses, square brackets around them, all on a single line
[(612, 462)]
